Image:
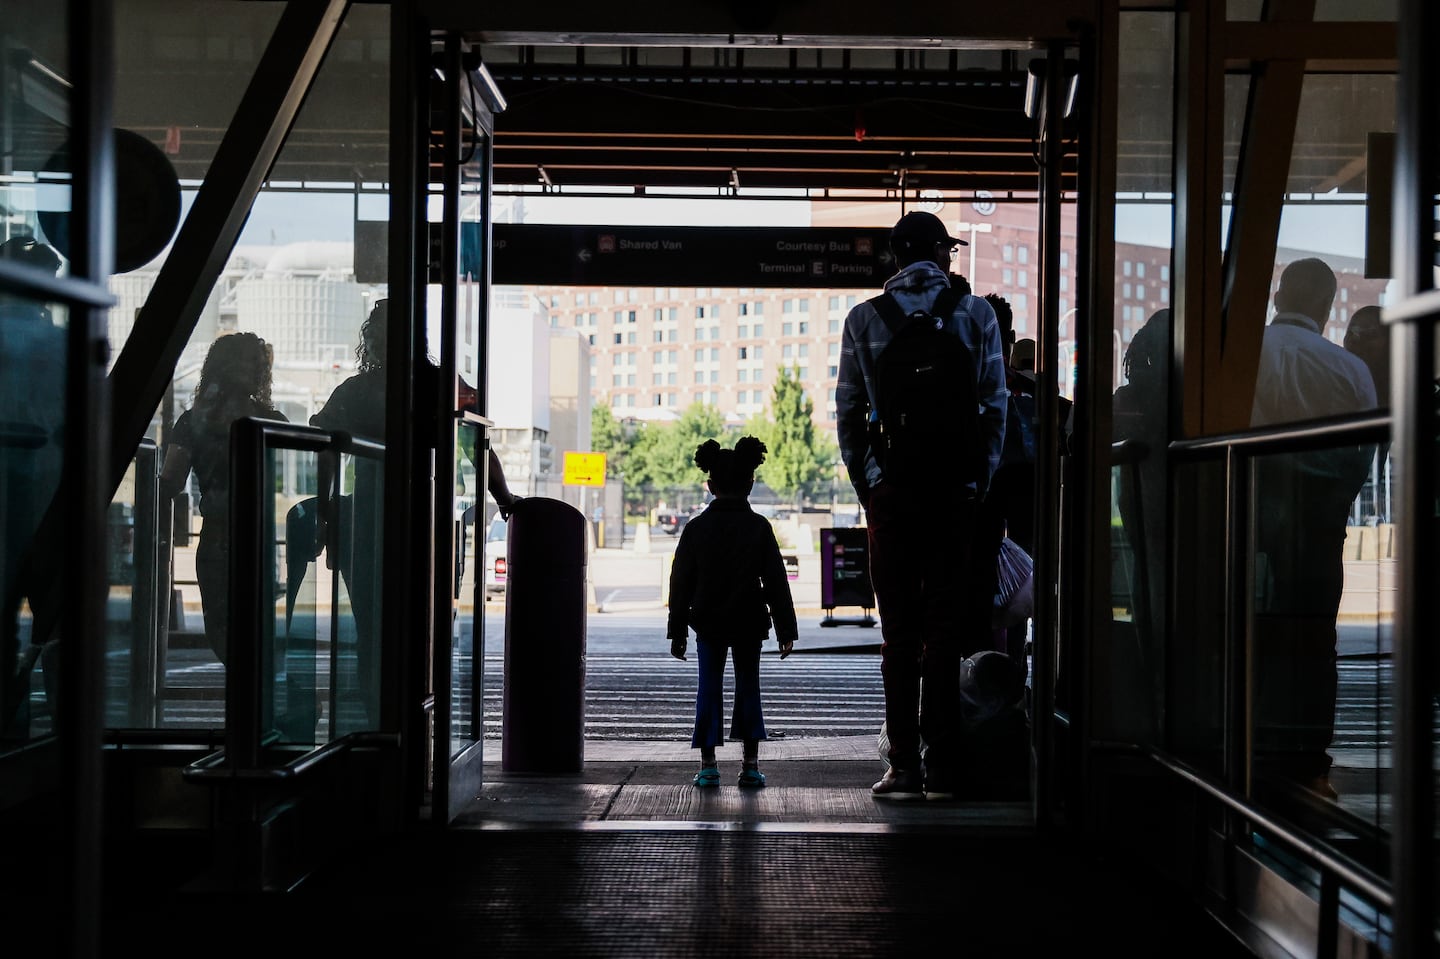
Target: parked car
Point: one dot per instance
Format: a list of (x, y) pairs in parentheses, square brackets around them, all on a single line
[(674, 521), (496, 565)]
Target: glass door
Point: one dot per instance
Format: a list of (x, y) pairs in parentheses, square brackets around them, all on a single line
[(458, 332)]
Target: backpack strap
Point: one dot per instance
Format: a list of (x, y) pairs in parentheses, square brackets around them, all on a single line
[(889, 310), (945, 303)]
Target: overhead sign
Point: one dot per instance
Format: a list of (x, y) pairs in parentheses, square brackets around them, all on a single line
[(806, 257), (584, 469)]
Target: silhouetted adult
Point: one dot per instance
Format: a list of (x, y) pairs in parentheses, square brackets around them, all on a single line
[(357, 406), (32, 421), (234, 383), (1368, 337), (1139, 410), (1009, 507), (934, 611), (1302, 509)]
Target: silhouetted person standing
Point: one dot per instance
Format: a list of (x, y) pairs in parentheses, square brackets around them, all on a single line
[(357, 406), (1302, 509), (234, 383), (934, 610), (1140, 412), (728, 583)]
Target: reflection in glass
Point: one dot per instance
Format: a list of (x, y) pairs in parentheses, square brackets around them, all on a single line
[(1195, 652), (32, 422), (357, 407), (1140, 363), (1323, 606)]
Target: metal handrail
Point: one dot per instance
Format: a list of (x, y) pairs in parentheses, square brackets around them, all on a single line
[(213, 769), (250, 540), (1310, 435), (1355, 875)]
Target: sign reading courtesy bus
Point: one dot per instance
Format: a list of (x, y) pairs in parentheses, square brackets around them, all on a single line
[(584, 469), (813, 257)]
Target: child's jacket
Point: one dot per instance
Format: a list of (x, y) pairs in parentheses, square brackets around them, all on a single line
[(728, 579)]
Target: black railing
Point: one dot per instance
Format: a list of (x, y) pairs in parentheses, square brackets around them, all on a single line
[(1238, 451), (251, 669)]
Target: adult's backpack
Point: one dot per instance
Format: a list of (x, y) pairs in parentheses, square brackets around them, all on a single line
[(925, 428)]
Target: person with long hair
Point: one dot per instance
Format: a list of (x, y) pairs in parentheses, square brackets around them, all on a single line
[(234, 383)]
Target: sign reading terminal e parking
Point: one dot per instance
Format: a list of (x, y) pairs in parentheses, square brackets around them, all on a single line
[(819, 257)]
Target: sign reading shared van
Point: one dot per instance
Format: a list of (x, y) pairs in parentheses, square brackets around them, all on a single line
[(815, 257)]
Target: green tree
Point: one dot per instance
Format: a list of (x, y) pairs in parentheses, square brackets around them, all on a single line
[(608, 436), (800, 457), (662, 456)]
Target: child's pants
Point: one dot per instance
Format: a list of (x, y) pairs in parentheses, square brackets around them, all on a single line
[(746, 722)]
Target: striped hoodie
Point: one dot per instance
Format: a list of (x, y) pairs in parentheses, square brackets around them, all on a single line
[(914, 288)]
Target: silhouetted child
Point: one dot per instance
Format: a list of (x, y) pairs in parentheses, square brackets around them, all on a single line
[(727, 583)]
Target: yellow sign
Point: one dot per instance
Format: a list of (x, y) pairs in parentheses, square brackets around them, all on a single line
[(584, 469)]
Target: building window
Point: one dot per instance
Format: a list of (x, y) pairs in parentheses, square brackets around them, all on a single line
[(1007, 276), (759, 353), (742, 352), (618, 338), (1022, 278), (671, 379), (1024, 254), (805, 306), (832, 371), (787, 329), (787, 306), (699, 356), (785, 352), (659, 336), (743, 332), (742, 376), (1129, 267), (714, 355), (1007, 253), (804, 350), (714, 332), (759, 330), (834, 326), (1165, 272), (833, 303)]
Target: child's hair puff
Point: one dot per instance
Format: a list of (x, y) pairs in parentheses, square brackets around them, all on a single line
[(731, 471)]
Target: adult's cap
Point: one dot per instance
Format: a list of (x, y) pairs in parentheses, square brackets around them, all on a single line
[(920, 229)]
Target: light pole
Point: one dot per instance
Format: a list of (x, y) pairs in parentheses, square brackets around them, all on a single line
[(974, 228)]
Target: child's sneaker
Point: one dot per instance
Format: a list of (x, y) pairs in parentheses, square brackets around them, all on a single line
[(751, 778), (707, 776)]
